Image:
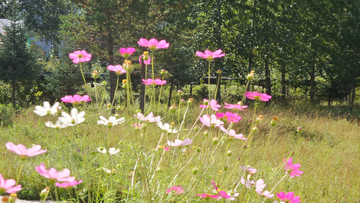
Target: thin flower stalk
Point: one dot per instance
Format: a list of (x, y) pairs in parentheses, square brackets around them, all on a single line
[(197, 119), (117, 84), (276, 185), (217, 85), (161, 87)]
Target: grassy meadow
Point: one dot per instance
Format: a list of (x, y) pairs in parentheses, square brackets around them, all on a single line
[(327, 149)]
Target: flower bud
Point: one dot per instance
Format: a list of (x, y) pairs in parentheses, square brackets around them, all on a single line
[(206, 133), (255, 130), (274, 121), (181, 101), (215, 140), (218, 71), (206, 102), (229, 153), (195, 170), (250, 77), (250, 121), (172, 108), (179, 92), (190, 101), (108, 105), (158, 169), (259, 119), (104, 83), (299, 129), (146, 55), (196, 128), (245, 147), (95, 74), (226, 168), (13, 197), (163, 72), (44, 192)]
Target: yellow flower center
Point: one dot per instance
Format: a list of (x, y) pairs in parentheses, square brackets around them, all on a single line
[(80, 56)]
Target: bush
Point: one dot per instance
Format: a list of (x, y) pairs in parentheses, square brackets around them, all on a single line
[(6, 112)]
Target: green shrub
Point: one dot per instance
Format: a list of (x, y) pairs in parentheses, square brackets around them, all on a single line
[(6, 112)]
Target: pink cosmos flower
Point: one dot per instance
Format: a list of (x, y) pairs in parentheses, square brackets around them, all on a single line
[(288, 197), (68, 184), (231, 117), (146, 62), (222, 194), (153, 44), (292, 168), (211, 121), (22, 151), (53, 174), (208, 196), (150, 117), (178, 142), (6, 186), (213, 104), (250, 170), (233, 134), (176, 189), (76, 99), (149, 81), (126, 52), (163, 147), (80, 56), (235, 106), (257, 96), (118, 69), (208, 55), (159, 82)]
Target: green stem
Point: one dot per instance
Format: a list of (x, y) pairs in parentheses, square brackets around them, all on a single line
[(157, 110), (209, 82), (82, 74), (102, 100), (117, 84), (18, 178), (145, 87), (217, 85), (56, 194)]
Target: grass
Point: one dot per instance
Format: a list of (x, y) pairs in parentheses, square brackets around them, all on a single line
[(327, 149)]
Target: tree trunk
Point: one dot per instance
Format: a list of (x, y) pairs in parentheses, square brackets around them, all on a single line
[(111, 62), (267, 80), (218, 85), (13, 93), (283, 81), (142, 90), (170, 92), (312, 84), (353, 97)]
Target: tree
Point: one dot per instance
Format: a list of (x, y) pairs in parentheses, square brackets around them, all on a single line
[(18, 63)]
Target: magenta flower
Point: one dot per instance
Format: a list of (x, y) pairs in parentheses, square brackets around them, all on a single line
[(288, 197), (149, 81), (208, 196), (68, 184), (213, 104), (292, 169), (76, 99), (159, 82), (146, 62), (208, 55), (153, 44), (118, 69), (178, 142), (126, 52), (150, 117), (53, 174), (257, 96), (235, 106), (177, 190), (163, 147), (233, 134), (22, 151), (222, 194), (6, 186), (211, 121), (80, 56)]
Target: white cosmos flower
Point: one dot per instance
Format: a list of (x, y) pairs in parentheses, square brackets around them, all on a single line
[(108, 171), (150, 117), (46, 109), (233, 134), (166, 127), (111, 122), (178, 142), (74, 119), (113, 151), (101, 150), (57, 125)]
